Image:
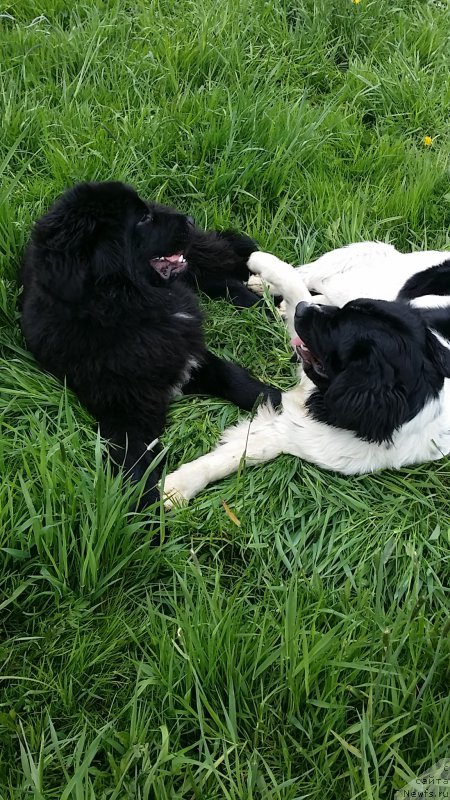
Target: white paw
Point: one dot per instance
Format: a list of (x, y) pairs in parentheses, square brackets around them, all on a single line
[(180, 486), (174, 500), (173, 493), (270, 269), (255, 284), (261, 264)]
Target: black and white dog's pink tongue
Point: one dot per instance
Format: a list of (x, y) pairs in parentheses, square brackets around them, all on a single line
[(301, 349), (297, 342)]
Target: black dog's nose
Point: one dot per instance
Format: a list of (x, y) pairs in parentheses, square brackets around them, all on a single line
[(190, 221), (301, 307)]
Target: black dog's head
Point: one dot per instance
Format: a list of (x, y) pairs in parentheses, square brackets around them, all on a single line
[(375, 364), (97, 231)]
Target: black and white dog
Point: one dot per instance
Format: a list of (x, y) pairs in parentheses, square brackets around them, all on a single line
[(107, 306), (374, 390)]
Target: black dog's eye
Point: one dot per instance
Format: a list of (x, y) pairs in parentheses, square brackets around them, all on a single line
[(147, 217)]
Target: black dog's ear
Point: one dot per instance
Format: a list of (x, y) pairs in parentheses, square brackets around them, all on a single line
[(366, 398), (438, 354), (62, 229), (63, 276), (64, 242)]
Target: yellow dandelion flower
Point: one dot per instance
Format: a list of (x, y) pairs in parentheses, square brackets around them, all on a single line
[(428, 141), (356, 2)]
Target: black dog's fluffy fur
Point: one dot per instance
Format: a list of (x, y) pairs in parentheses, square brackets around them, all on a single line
[(97, 313)]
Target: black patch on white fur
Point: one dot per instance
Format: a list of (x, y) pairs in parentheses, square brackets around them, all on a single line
[(434, 280), (382, 365)]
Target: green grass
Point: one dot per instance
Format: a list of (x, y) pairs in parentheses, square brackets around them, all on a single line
[(303, 654)]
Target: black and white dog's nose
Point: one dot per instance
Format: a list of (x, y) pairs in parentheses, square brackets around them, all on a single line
[(190, 221), (301, 307)]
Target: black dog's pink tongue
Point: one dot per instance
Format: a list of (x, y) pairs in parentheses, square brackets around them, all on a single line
[(178, 257), (169, 265)]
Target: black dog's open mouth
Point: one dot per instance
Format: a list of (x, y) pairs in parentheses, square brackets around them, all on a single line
[(166, 266), (304, 354)]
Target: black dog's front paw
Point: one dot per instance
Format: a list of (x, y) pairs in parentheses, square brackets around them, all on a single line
[(218, 265), (241, 244)]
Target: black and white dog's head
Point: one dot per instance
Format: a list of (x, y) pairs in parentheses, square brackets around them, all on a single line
[(375, 364), (104, 230)]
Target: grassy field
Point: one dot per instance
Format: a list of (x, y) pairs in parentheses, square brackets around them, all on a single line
[(304, 653)]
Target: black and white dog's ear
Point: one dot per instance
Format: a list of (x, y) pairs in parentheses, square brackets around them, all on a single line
[(366, 399), (438, 354)]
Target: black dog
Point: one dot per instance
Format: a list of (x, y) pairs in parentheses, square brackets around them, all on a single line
[(107, 306)]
